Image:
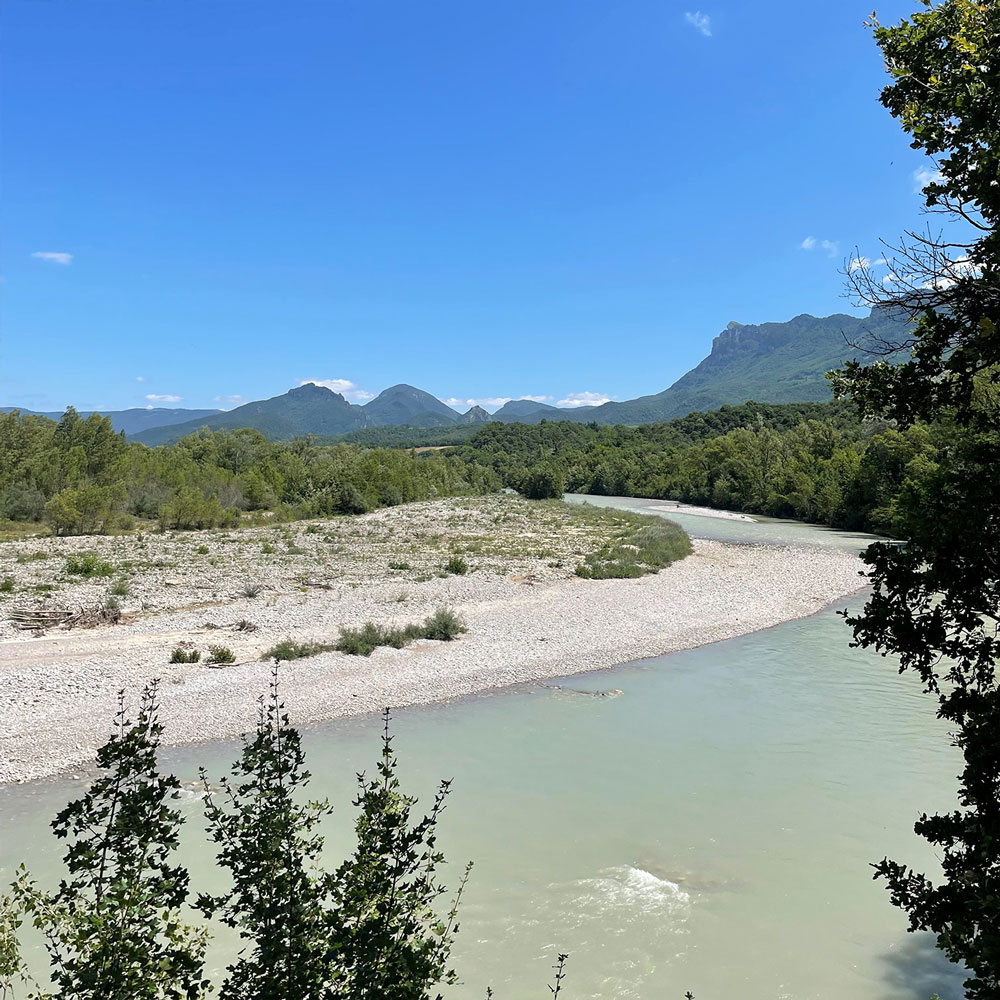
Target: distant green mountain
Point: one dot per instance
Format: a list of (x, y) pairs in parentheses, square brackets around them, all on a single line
[(307, 409), (768, 363), (474, 415), (314, 409), (516, 410), (133, 420), (404, 404)]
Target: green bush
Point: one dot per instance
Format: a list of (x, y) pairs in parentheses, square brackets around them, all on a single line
[(288, 649), (120, 588), (444, 625), (645, 545), (221, 654), (88, 564), (202, 550), (7, 585), (180, 655), (456, 565), (400, 565)]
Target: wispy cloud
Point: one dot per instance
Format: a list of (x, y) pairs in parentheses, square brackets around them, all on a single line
[(160, 397), (923, 176), (140, 378), (810, 243), (344, 386), (574, 399), (859, 264), (700, 22), (53, 257), (228, 401)]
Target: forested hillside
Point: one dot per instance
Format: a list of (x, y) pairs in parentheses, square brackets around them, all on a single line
[(813, 461), (79, 476)]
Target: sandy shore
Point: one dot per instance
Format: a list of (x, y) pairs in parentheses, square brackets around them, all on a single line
[(529, 619)]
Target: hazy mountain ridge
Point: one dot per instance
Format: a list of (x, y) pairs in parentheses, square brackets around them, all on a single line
[(767, 363), (133, 420)]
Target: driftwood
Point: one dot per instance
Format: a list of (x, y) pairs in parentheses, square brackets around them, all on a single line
[(43, 619)]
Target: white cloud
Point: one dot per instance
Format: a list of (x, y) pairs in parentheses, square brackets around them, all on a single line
[(53, 257), (810, 243), (859, 264), (700, 22), (157, 397), (140, 378), (490, 403), (584, 399), (923, 176), (346, 388), (233, 400)]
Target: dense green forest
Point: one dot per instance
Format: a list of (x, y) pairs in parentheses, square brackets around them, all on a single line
[(81, 477), (813, 461)]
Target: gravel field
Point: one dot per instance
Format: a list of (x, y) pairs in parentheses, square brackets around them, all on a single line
[(529, 616)]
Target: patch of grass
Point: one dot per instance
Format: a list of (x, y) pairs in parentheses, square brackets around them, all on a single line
[(27, 557), (288, 649), (88, 565), (365, 640), (7, 585), (120, 588), (251, 589), (400, 565), (180, 655), (443, 625), (644, 544), (268, 549), (221, 654), (202, 550), (456, 565)]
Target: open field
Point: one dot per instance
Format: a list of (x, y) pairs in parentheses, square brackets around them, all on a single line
[(529, 615)]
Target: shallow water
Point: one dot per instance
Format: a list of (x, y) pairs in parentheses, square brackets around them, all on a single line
[(709, 828)]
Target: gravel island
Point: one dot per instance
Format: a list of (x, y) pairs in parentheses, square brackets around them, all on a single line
[(529, 616)]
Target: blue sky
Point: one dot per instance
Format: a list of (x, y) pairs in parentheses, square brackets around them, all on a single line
[(206, 201)]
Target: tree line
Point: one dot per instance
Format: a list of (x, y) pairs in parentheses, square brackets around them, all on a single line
[(816, 462), (81, 477)]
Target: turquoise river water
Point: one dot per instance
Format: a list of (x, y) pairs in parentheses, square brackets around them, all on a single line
[(710, 828)]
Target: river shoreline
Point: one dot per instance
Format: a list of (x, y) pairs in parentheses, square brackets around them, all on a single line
[(58, 692)]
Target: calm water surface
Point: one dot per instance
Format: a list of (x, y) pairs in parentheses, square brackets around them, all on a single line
[(710, 828)]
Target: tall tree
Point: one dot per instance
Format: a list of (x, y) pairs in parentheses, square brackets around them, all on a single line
[(113, 928), (936, 601)]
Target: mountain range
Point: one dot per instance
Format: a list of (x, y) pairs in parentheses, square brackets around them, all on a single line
[(133, 420), (768, 363)]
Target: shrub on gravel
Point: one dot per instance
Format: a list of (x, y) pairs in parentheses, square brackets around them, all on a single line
[(444, 625), (180, 655), (456, 565), (221, 654), (288, 649), (7, 585), (87, 565)]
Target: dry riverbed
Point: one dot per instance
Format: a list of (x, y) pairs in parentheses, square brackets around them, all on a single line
[(529, 616)]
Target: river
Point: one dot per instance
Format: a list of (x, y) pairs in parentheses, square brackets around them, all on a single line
[(699, 821)]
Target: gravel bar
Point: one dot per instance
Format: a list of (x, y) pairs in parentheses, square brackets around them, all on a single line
[(529, 617)]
